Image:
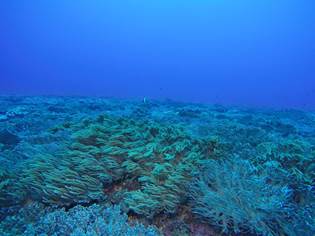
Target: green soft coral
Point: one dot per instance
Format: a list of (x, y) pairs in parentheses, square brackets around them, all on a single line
[(158, 159)]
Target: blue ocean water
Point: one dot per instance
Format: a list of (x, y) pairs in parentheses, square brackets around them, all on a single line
[(190, 118), (258, 53)]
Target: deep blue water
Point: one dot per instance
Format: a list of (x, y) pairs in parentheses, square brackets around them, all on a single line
[(245, 52)]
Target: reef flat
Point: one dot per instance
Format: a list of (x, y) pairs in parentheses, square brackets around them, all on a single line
[(103, 166)]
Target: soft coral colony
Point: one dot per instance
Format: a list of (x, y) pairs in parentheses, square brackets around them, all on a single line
[(156, 161), (143, 166), (149, 168)]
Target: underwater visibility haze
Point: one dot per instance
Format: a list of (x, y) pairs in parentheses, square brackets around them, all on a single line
[(243, 52), (144, 118)]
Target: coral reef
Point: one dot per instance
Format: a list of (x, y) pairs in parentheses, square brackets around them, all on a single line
[(159, 159), (236, 197), (8, 139), (293, 155), (8, 195), (61, 180), (93, 220), (189, 169), (14, 112), (17, 222)]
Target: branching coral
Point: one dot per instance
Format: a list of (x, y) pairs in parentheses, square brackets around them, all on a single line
[(17, 222), (291, 157), (290, 153), (94, 220), (235, 197)]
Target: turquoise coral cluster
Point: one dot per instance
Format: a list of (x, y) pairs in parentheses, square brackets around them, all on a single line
[(235, 171), (93, 220), (160, 160), (235, 196)]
